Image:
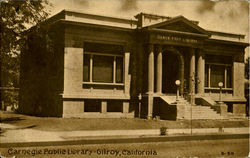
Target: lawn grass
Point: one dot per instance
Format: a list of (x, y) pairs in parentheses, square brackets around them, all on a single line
[(74, 124)]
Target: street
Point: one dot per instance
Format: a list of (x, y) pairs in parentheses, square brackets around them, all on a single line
[(180, 149)]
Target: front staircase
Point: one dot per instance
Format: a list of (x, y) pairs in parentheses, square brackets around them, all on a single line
[(201, 112), (185, 111)]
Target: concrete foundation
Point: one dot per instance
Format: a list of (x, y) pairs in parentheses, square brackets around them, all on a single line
[(239, 109)]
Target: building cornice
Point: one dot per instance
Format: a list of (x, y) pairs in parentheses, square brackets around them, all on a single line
[(227, 34), (176, 32), (244, 44), (82, 24), (101, 17)]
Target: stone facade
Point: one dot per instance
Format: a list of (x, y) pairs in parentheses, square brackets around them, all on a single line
[(92, 66)]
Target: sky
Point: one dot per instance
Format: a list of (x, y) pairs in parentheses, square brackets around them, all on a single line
[(219, 15)]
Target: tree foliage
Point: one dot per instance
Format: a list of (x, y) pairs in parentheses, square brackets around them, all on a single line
[(16, 16), (247, 68)]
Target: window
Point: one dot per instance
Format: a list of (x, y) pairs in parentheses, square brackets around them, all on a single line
[(114, 106), (216, 75), (92, 106), (119, 69), (86, 67), (218, 69), (102, 67)]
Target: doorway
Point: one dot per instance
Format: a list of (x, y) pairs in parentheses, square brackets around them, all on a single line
[(170, 72)]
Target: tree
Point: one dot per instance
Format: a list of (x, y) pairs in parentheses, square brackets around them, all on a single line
[(247, 84), (16, 16), (247, 68)]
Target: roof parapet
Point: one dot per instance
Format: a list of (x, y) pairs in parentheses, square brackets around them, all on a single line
[(153, 18), (226, 36)]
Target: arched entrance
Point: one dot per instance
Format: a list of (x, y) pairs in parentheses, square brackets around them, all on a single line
[(173, 69)]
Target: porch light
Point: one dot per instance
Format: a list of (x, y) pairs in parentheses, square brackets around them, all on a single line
[(177, 82), (220, 84)]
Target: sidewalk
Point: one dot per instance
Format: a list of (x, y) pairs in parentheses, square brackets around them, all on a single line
[(12, 134), (18, 130)]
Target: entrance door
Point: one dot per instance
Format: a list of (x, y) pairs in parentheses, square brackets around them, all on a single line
[(170, 72)]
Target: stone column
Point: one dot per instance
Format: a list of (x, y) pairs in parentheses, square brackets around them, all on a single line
[(192, 75), (150, 80), (127, 76), (73, 69), (238, 75), (151, 69), (181, 74), (201, 73), (159, 70)]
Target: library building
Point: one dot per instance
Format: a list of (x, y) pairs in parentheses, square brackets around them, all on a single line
[(152, 66)]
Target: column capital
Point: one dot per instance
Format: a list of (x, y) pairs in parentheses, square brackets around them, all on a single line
[(150, 47), (126, 48), (159, 48), (192, 50), (200, 51)]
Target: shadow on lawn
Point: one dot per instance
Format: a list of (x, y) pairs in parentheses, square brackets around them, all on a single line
[(2, 130), (10, 119)]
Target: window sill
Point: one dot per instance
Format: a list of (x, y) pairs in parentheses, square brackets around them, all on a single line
[(95, 96), (104, 84)]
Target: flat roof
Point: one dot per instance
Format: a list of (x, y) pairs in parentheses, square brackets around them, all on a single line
[(63, 13), (96, 15)]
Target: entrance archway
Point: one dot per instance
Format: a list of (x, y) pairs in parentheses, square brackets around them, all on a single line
[(173, 69)]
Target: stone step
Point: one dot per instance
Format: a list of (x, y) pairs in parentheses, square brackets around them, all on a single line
[(207, 115), (198, 111), (201, 107), (204, 115), (194, 116), (204, 118), (206, 110), (201, 112), (211, 117)]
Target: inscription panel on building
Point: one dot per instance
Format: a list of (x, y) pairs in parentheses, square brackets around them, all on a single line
[(175, 39)]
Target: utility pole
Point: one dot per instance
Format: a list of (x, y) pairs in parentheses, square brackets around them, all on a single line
[(139, 111), (192, 102), (177, 82), (1, 53)]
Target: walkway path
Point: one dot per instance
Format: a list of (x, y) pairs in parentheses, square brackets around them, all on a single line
[(12, 134)]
